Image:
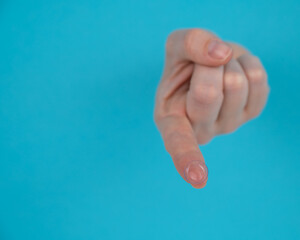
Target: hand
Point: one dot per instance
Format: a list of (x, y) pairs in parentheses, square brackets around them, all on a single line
[(208, 87)]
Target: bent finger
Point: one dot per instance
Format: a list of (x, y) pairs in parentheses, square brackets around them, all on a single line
[(204, 100), (235, 97), (258, 85)]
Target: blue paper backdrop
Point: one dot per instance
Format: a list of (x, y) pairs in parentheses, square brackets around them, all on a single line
[(80, 157)]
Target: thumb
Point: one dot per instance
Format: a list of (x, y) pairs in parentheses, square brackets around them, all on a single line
[(196, 45), (181, 143)]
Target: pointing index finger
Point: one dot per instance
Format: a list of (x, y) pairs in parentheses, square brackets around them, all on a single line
[(182, 145)]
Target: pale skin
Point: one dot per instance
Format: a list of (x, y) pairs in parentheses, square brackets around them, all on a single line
[(208, 87)]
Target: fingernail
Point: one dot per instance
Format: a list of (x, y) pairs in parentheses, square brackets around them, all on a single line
[(196, 172), (218, 49)]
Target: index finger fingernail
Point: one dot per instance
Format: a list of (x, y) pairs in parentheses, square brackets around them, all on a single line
[(196, 172)]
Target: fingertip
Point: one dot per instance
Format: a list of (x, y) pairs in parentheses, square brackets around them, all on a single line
[(196, 173), (199, 186)]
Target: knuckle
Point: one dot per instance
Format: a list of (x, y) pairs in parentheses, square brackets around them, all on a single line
[(207, 94), (234, 81), (257, 76)]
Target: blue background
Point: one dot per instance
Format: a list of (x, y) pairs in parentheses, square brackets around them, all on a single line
[(80, 156)]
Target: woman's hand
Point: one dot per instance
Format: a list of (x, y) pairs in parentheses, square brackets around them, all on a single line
[(208, 87)]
